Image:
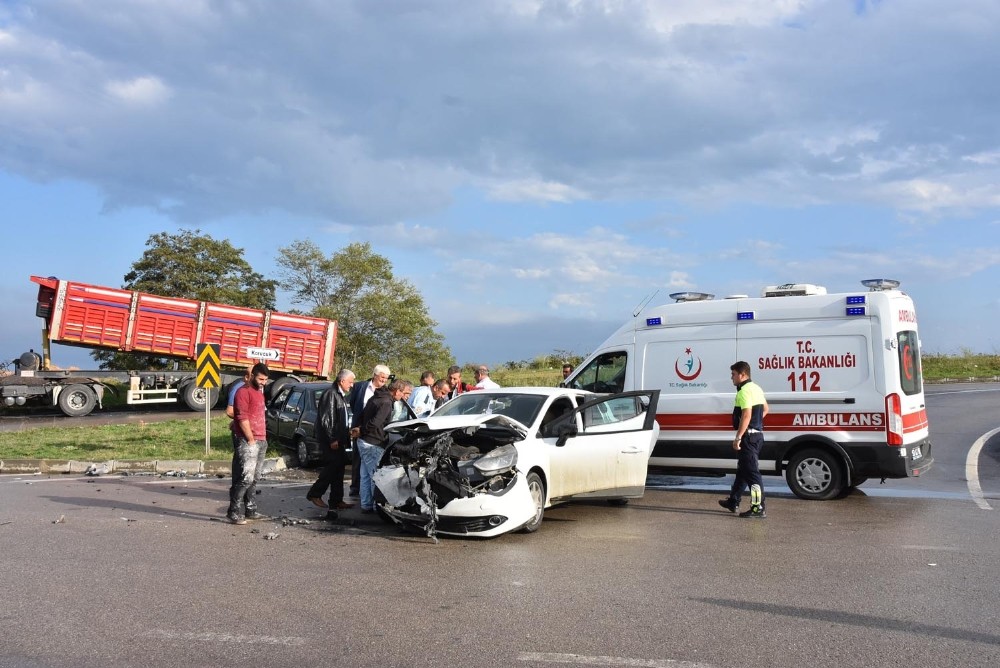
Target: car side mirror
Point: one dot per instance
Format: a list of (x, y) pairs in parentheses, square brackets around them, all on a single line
[(565, 432)]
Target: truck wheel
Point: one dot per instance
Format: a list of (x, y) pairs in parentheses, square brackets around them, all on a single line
[(194, 397), (271, 389), (77, 400), (815, 475)]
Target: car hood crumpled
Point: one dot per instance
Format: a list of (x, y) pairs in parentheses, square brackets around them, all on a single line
[(435, 424), (431, 462)]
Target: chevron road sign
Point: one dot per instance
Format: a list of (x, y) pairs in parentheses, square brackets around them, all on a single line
[(208, 376)]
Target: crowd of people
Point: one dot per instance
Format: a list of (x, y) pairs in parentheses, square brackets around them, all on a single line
[(348, 413)]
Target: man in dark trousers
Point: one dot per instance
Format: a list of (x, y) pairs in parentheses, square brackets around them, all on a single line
[(333, 434), (251, 445), (748, 421), (360, 395)]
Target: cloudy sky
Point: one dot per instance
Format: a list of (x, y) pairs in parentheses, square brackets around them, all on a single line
[(536, 168)]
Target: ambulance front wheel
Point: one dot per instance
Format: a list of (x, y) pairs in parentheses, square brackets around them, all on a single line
[(816, 475)]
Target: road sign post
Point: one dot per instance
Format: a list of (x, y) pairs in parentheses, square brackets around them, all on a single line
[(208, 377)]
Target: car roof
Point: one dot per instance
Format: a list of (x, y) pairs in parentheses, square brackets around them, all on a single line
[(313, 384), (541, 391)]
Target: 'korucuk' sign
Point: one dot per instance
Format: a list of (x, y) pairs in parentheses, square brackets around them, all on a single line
[(272, 354)]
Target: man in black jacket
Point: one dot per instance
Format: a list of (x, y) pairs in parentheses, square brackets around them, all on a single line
[(360, 396), (333, 434), (372, 439)]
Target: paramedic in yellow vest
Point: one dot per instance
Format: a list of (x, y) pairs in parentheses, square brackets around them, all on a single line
[(748, 421)]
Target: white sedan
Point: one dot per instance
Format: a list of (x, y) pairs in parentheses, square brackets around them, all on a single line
[(492, 461)]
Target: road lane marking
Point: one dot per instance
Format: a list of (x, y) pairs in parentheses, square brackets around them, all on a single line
[(939, 548), (972, 469), (240, 639), (985, 389), (584, 660)]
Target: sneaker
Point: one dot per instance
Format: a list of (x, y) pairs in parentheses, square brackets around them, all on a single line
[(729, 505), (755, 512), (236, 519)]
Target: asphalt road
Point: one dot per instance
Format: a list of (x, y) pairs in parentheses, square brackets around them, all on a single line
[(139, 571)]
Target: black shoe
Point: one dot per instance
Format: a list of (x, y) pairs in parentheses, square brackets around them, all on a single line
[(730, 505), (330, 516), (755, 512)]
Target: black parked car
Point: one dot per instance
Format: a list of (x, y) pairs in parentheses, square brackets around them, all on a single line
[(291, 420)]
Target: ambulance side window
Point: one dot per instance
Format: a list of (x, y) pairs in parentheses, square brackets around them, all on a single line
[(605, 373), (909, 362)]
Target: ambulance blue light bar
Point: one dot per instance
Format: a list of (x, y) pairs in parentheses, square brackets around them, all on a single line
[(745, 315), (653, 322), (856, 299), (857, 310)]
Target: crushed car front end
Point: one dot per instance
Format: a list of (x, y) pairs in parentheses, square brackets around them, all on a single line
[(455, 476)]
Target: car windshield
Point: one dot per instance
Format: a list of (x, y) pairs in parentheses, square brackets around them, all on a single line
[(521, 407)]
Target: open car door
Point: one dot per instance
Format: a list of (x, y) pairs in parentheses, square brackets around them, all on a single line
[(602, 448)]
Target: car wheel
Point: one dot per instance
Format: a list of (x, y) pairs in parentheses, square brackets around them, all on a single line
[(815, 475), (302, 453), (618, 502), (537, 490), (77, 400)]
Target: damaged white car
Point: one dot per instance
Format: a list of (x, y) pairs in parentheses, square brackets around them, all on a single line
[(491, 461)]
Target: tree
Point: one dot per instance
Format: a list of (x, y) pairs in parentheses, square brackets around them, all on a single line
[(381, 319), (190, 265)]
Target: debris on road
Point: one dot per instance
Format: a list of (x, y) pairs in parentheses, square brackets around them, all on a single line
[(61, 520), (270, 536)]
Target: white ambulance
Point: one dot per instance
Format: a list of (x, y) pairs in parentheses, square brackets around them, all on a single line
[(841, 373)]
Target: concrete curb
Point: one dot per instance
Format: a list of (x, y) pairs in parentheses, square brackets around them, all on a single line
[(189, 466)]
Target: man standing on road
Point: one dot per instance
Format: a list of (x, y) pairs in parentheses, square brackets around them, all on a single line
[(748, 421), (440, 393), (333, 433), (483, 380), (372, 439), (455, 382), (360, 395), (251, 445), (421, 400)]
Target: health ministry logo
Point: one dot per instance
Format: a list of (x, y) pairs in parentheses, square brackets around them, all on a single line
[(685, 366)]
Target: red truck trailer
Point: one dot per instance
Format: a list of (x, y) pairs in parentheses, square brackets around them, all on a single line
[(79, 314)]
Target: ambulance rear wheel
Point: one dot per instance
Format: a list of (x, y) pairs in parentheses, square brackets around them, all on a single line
[(815, 475)]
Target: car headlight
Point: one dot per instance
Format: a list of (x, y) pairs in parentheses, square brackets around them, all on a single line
[(499, 459)]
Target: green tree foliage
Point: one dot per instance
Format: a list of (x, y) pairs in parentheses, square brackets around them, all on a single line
[(381, 319), (190, 265)]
